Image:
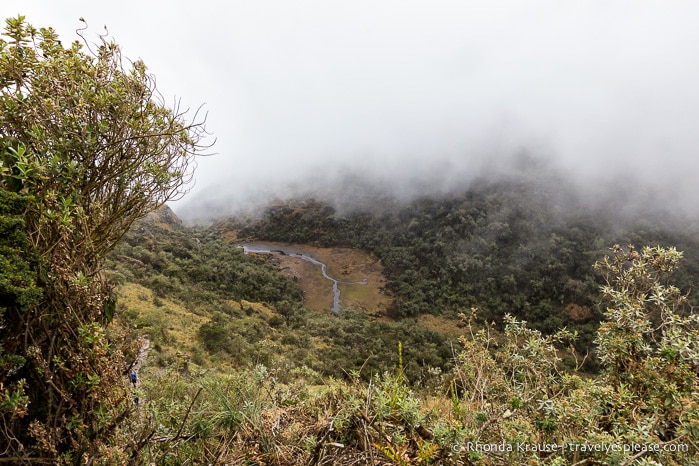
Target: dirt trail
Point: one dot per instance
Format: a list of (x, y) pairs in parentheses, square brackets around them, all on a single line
[(141, 355), (138, 363)]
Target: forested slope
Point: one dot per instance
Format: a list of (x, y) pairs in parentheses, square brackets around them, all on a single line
[(265, 386), (233, 369), (510, 246), (248, 311)]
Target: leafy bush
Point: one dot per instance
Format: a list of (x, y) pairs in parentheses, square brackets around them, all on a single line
[(86, 147)]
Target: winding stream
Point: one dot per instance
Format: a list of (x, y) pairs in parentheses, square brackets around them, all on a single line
[(263, 248)]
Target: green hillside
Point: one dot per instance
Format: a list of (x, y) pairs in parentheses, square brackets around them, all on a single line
[(504, 247), (197, 294), (498, 325), (440, 384)]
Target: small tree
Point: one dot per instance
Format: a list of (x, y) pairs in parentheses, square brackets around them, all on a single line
[(87, 141), (648, 345)]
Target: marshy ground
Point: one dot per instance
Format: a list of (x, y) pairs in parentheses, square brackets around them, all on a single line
[(360, 277)]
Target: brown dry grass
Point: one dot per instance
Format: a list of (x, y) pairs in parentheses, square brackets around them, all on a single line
[(443, 325), (182, 323)]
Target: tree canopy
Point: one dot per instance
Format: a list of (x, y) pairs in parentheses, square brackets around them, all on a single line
[(88, 134), (87, 146)]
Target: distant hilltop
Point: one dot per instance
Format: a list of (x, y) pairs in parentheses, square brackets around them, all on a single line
[(164, 216)]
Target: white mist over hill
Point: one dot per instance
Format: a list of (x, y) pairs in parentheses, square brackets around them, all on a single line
[(418, 94), (426, 95)]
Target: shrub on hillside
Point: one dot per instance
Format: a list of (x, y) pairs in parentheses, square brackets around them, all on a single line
[(508, 399)]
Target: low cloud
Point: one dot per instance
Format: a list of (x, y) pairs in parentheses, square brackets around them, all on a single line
[(420, 96)]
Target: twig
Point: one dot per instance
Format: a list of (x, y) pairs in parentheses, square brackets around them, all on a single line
[(178, 435), (186, 415), (170, 438), (319, 444)]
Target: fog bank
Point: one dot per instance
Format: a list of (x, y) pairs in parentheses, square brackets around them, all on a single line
[(416, 95), (424, 97)]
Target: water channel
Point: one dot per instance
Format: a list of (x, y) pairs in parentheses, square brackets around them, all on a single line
[(265, 248)]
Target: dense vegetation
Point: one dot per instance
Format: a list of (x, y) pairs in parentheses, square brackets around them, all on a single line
[(506, 400), (512, 246), (239, 372), (86, 148), (214, 279)]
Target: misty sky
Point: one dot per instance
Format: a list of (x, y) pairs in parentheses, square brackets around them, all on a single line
[(415, 92)]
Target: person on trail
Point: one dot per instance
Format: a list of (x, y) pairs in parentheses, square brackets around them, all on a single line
[(134, 378)]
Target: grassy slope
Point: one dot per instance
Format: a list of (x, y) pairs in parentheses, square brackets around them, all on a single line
[(272, 398), (171, 289)]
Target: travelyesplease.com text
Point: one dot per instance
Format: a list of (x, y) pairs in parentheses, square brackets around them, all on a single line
[(606, 448)]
